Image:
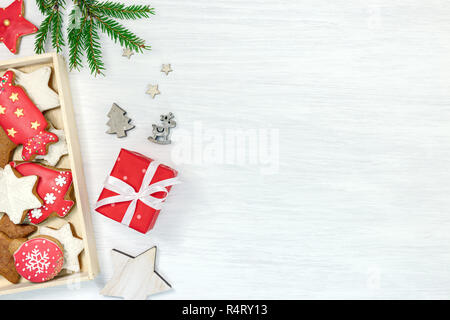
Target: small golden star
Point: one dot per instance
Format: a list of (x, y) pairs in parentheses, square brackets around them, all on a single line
[(14, 97), (166, 68), (153, 91), (127, 53), (2, 110), (19, 113), (11, 132), (35, 125)]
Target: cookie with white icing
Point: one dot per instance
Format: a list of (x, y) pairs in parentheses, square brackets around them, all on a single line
[(18, 194), (36, 85), (55, 151), (72, 246)]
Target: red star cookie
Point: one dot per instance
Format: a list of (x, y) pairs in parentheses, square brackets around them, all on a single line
[(54, 187), (13, 25), (22, 121)]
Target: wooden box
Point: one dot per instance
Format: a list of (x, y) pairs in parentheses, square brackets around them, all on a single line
[(80, 216)]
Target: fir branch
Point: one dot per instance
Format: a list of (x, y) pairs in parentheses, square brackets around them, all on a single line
[(84, 38), (57, 35), (43, 6), (92, 42), (122, 11), (76, 42), (42, 34), (119, 33)]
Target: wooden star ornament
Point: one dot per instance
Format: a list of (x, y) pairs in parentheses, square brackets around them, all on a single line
[(127, 53), (13, 25), (153, 90), (134, 278), (166, 68)]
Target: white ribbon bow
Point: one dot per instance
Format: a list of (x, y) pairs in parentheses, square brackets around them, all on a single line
[(127, 192)]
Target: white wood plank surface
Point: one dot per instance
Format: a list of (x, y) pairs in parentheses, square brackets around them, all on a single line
[(359, 92)]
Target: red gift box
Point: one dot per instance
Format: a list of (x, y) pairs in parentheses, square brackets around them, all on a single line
[(135, 190)]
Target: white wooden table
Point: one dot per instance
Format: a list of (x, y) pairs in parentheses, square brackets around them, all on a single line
[(359, 94)]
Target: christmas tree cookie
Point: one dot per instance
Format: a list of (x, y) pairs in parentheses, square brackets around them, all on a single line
[(54, 187), (22, 121)]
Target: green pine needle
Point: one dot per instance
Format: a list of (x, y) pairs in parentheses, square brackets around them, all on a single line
[(57, 35), (76, 43), (119, 33), (43, 6), (121, 11), (83, 37), (42, 34), (92, 41)]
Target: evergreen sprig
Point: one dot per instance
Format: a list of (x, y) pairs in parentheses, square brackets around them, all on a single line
[(86, 19), (121, 11)]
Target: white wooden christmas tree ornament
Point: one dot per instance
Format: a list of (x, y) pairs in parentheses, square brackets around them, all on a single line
[(118, 123), (134, 278)]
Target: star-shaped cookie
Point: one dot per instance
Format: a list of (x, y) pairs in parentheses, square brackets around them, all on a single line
[(72, 246), (134, 278), (13, 25), (17, 195), (15, 231), (36, 85), (153, 90), (56, 150), (6, 147), (7, 248)]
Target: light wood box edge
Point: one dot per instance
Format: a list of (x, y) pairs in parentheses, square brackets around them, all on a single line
[(70, 128)]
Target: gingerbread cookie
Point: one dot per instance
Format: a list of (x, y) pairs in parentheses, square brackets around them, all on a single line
[(17, 194), (22, 121), (15, 231), (55, 151), (54, 187), (36, 85), (71, 244), (14, 25), (6, 148), (7, 248), (39, 259)]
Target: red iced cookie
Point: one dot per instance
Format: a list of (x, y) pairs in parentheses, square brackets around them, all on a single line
[(39, 259), (22, 121), (13, 25), (53, 188)]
